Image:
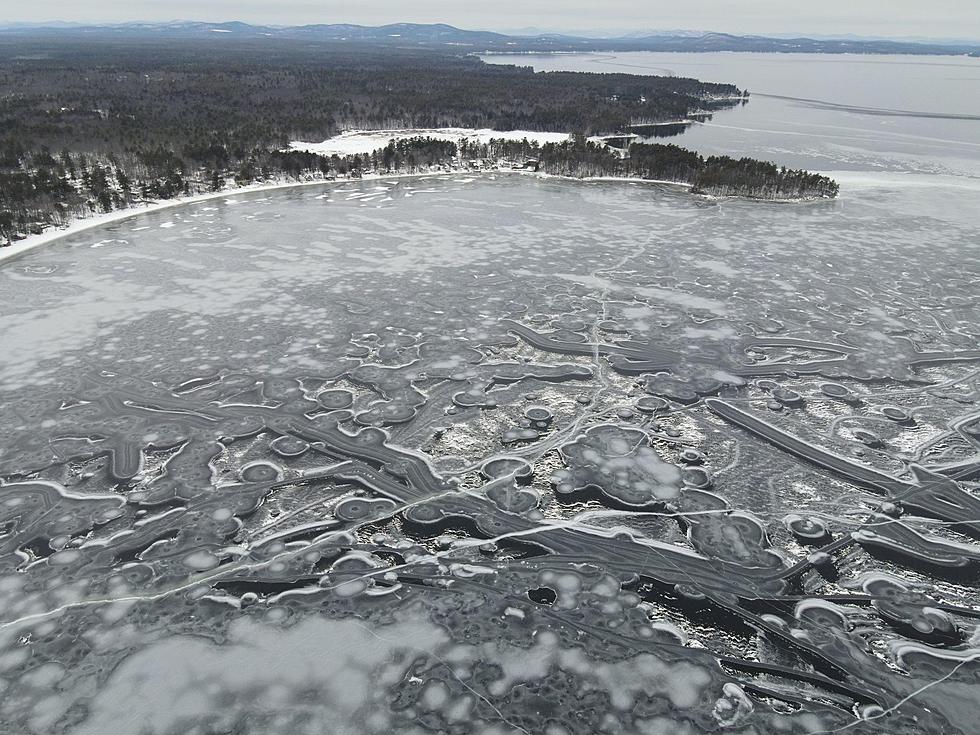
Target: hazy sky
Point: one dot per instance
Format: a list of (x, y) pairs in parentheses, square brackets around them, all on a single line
[(939, 18)]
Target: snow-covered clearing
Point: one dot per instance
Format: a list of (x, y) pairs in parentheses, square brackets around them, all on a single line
[(367, 141)]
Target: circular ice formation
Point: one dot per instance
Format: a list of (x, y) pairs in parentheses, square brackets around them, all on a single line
[(511, 498), (359, 509), (388, 413), (334, 400), (689, 455), (690, 592), (836, 390), (896, 414), (512, 436), (867, 438), (807, 530), (538, 414), (370, 437), (424, 514), (821, 617), (261, 472), (671, 387), (870, 712), (770, 325), (280, 389), (787, 397), (504, 466), (201, 561), (474, 397), (238, 427), (289, 446), (612, 327), (650, 404), (353, 574), (695, 477)]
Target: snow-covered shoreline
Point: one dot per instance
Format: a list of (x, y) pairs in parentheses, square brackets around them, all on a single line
[(349, 143), (86, 223)]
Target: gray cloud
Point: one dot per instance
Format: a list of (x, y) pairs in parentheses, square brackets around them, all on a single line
[(938, 18)]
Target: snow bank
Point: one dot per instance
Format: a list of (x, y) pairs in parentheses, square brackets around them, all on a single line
[(368, 141)]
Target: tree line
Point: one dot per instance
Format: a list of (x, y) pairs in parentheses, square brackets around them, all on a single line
[(98, 124), (58, 189), (714, 175)]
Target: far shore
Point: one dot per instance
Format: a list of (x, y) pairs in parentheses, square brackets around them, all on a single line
[(31, 242)]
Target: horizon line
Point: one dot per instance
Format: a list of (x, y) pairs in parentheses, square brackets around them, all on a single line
[(593, 34)]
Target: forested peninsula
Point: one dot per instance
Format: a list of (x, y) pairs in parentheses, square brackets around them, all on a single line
[(99, 124)]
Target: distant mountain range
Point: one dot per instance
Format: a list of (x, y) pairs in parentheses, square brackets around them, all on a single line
[(440, 35)]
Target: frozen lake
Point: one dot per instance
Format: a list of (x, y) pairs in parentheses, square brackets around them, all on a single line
[(505, 454), (825, 112)]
